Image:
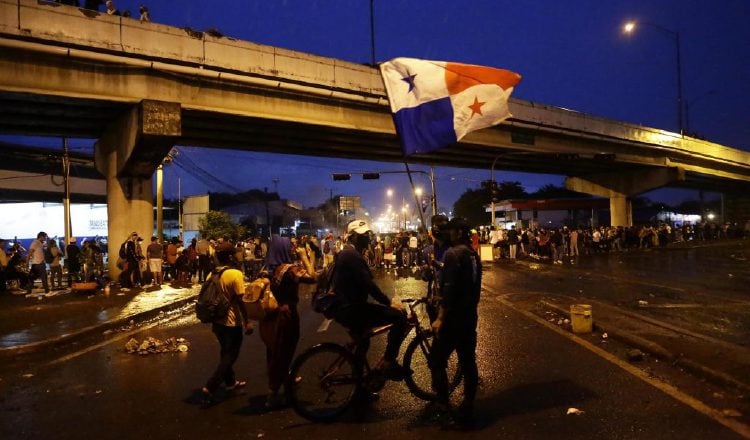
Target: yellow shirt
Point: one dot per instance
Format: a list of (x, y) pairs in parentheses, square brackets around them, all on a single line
[(232, 284)]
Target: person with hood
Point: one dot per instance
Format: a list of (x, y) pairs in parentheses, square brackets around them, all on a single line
[(280, 329)]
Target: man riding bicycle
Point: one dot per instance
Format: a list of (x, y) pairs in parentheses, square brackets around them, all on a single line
[(354, 284)]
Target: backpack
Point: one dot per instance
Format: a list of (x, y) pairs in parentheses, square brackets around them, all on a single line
[(327, 247), (123, 250), (212, 304), (48, 257), (324, 300)]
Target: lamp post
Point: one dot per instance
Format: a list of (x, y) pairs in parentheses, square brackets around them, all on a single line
[(492, 182), (629, 28), (372, 33)]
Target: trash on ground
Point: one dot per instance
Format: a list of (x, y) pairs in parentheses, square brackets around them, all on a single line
[(635, 355), (642, 303), (731, 413), (152, 345), (605, 335), (575, 411), (27, 376)]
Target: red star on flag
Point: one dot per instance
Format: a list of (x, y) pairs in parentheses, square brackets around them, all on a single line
[(476, 108)]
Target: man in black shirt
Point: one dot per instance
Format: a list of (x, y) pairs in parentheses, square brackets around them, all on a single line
[(456, 325), (354, 284)]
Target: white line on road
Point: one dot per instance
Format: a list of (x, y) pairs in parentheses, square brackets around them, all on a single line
[(734, 425)]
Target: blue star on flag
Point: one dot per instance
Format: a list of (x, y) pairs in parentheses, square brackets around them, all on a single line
[(409, 79)]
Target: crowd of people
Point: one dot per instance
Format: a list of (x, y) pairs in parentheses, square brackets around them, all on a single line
[(109, 8)]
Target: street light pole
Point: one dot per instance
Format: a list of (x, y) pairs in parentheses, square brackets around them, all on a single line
[(372, 33), (630, 27), (492, 182)]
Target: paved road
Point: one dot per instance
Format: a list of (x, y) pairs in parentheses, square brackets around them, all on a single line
[(532, 374)]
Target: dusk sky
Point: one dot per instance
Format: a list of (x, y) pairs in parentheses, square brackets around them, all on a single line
[(571, 54)]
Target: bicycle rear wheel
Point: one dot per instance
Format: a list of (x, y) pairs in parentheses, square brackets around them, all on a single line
[(323, 382), (420, 381)]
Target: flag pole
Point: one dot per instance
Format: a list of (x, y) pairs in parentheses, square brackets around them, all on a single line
[(414, 193)]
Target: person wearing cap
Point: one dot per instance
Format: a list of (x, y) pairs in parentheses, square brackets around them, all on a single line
[(354, 284), (455, 328)]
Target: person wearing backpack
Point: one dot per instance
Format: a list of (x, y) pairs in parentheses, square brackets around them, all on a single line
[(228, 329)]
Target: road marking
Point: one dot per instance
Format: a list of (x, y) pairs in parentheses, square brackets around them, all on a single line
[(110, 341), (736, 426)]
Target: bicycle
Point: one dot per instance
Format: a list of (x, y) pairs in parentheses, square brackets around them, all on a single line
[(325, 380)]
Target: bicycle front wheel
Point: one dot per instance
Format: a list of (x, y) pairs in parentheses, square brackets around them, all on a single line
[(420, 381), (323, 382)]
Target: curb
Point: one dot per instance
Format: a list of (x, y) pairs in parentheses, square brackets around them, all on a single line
[(656, 350), (94, 329)]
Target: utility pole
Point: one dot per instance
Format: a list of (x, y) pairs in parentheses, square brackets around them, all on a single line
[(66, 197), (160, 202)]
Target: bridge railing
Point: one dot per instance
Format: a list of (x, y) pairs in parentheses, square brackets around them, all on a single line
[(53, 22)]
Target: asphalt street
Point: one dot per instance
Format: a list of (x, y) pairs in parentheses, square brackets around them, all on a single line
[(532, 372)]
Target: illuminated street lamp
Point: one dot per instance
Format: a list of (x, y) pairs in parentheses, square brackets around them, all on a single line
[(630, 28)]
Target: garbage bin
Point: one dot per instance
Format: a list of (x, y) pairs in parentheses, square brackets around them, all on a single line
[(485, 252), (580, 318)]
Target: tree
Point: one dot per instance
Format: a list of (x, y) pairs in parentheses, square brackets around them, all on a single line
[(217, 224), (473, 202)]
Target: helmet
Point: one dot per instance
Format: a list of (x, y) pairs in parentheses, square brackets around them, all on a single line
[(358, 227)]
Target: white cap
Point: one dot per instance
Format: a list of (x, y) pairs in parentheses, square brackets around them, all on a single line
[(358, 226)]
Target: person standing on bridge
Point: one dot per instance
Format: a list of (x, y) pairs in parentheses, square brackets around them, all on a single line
[(456, 325)]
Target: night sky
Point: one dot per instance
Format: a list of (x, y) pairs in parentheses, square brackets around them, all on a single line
[(571, 54)]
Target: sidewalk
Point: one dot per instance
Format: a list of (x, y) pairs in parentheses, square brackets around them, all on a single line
[(33, 322)]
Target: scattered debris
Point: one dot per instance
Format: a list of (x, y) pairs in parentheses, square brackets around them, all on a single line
[(731, 413), (635, 355), (106, 332), (575, 411), (642, 303), (605, 335), (27, 376), (718, 395), (730, 276), (98, 392), (152, 345), (120, 294)]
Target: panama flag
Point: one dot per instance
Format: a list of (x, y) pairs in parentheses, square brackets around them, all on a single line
[(436, 103)]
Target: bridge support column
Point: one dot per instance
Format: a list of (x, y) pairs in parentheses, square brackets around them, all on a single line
[(619, 187), (127, 155)]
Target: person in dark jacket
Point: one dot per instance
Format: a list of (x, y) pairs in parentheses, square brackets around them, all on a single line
[(455, 328), (354, 285)]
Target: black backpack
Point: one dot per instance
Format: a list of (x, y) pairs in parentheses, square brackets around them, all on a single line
[(124, 250), (324, 300), (48, 257), (212, 303)]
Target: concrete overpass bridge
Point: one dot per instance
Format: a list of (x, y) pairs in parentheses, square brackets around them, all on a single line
[(140, 88)]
